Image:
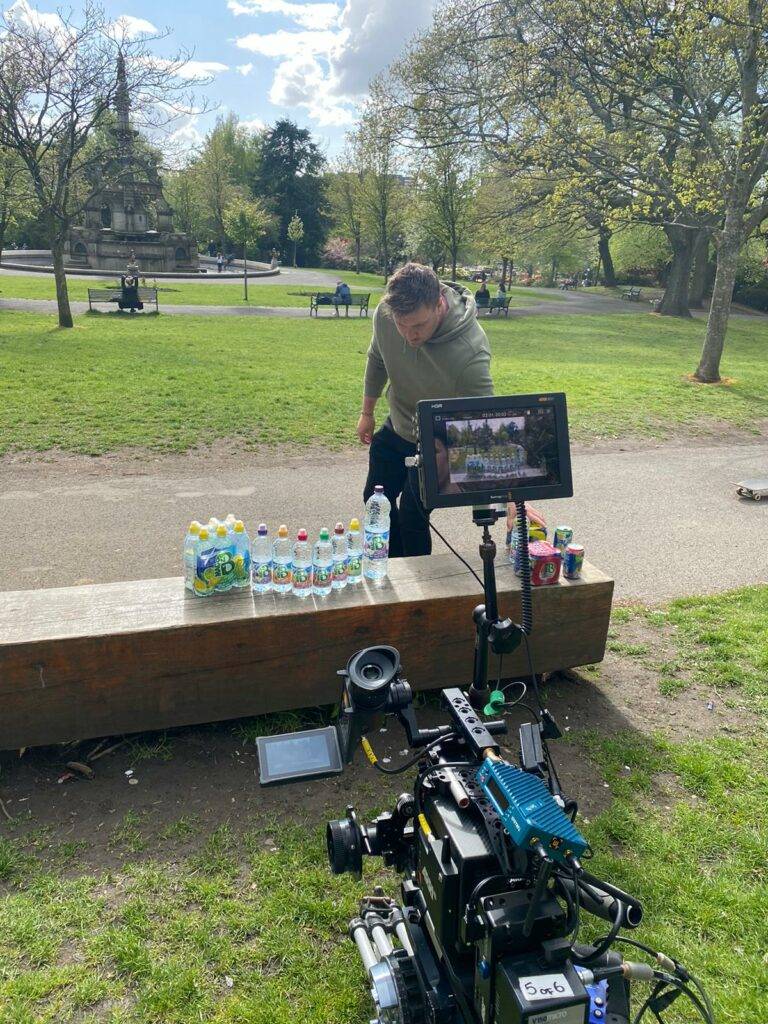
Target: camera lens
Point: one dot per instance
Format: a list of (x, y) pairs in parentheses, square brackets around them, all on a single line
[(371, 672), (344, 841)]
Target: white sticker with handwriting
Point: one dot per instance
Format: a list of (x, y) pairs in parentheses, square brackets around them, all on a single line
[(545, 986)]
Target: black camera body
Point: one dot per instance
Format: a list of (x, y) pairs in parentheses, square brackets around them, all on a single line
[(480, 933)]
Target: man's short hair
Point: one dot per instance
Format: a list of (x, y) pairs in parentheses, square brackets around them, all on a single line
[(413, 285)]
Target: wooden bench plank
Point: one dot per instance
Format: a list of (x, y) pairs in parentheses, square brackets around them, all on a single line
[(81, 662)]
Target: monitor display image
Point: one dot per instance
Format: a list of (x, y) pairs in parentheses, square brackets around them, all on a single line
[(312, 753), (495, 449)]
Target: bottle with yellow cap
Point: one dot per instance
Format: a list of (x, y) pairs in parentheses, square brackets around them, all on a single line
[(205, 572), (224, 559), (242, 555), (282, 562), (190, 554), (354, 553)]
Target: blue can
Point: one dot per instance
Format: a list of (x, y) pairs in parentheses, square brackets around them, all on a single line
[(573, 561), (563, 537)]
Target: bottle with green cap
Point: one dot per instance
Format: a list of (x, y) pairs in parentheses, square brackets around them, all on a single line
[(224, 559), (242, 555), (190, 554), (322, 564)]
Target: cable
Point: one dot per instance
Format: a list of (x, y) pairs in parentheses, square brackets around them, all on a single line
[(407, 764)]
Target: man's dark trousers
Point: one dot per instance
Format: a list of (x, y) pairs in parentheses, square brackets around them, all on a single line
[(409, 522)]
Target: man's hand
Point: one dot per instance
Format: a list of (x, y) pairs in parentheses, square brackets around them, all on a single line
[(365, 427), (536, 518)]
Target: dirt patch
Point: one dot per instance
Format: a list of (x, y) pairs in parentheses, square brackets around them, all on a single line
[(164, 795)]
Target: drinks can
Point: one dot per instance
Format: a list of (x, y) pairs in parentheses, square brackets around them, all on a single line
[(545, 563), (563, 537), (573, 561)]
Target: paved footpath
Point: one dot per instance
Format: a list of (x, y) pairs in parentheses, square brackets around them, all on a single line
[(664, 521)]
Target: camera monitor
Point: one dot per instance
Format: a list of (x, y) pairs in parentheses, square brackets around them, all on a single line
[(311, 754), (482, 451)]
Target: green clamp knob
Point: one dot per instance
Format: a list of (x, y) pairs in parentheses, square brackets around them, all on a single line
[(495, 703)]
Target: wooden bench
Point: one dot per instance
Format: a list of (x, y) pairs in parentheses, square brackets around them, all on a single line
[(81, 662), (499, 306), (114, 295), (329, 299), (631, 294)]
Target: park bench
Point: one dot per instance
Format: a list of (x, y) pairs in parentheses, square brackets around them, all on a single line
[(631, 294), (567, 284), (329, 299), (115, 658), (499, 306), (114, 294)]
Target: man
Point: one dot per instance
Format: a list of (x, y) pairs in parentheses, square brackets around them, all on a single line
[(428, 344)]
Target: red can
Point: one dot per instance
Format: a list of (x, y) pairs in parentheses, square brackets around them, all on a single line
[(546, 561)]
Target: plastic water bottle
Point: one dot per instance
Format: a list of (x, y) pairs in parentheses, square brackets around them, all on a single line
[(190, 554), (355, 550), (376, 549), (242, 554), (205, 573), (302, 565), (282, 562), (261, 561), (322, 565), (230, 521), (224, 560), (340, 557)]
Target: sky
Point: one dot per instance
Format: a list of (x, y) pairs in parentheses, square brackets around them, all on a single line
[(310, 60)]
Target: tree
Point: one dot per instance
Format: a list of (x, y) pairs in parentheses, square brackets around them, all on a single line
[(381, 194), (290, 178), (245, 220), (346, 194), (295, 233), (444, 183), (60, 78), (16, 199)]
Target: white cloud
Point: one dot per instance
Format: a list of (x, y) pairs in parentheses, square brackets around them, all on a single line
[(244, 69), (187, 137), (307, 15), (22, 12), (327, 65), (129, 27), (287, 44), (254, 124), (201, 69)]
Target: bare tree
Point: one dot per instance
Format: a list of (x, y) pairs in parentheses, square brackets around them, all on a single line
[(377, 136), (346, 193), (61, 77)]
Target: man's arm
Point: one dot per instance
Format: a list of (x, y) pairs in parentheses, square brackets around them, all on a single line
[(475, 378), (373, 385)]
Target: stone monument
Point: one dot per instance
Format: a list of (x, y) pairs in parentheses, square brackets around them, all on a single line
[(127, 218)]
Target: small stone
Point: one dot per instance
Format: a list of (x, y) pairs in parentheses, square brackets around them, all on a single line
[(133, 782), (383, 729), (386, 760), (229, 982), (606, 786), (129, 773), (710, 705)]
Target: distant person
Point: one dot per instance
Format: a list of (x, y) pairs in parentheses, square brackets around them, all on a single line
[(502, 290), (211, 248), (129, 292), (219, 262), (482, 295), (342, 295)]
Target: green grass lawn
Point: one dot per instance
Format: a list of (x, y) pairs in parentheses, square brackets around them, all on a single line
[(169, 383), (158, 936)]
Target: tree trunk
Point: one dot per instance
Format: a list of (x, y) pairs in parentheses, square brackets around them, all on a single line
[(604, 251), (357, 254), (295, 247), (675, 301), (708, 370), (696, 289), (504, 262), (454, 255), (245, 270), (62, 295), (553, 272)]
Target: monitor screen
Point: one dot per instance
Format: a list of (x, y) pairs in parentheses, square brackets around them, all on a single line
[(487, 450), (308, 754)]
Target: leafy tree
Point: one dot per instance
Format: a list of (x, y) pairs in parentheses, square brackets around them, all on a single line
[(16, 198), (295, 233), (382, 193), (346, 194), (446, 192), (245, 221), (291, 176)]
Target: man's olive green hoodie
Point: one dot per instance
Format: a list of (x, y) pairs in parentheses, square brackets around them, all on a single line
[(454, 363)]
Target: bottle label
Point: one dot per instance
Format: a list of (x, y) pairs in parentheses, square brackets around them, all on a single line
[(322, 575), (242, 566), (340, 570), (282, 574), (302, 577), (262, 573), (215, 568), (355, 565), (377, 545)]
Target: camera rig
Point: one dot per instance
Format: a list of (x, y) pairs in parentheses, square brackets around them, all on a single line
[(494, 884)]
